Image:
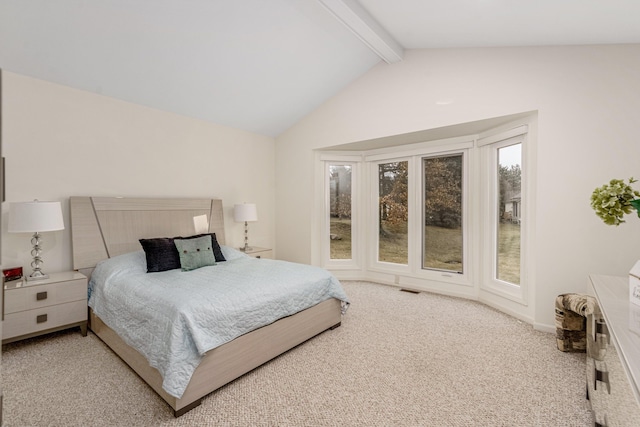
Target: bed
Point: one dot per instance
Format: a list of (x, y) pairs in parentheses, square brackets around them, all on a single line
[(106, 231)]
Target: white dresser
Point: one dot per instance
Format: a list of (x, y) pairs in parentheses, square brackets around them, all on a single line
[(613, 354), (42, 306)]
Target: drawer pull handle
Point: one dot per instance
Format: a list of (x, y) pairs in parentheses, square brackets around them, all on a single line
[(602, 331), (41, 318), (602, 376), (41, 295)]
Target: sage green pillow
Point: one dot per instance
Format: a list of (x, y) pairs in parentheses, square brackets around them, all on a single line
[(195, 253)]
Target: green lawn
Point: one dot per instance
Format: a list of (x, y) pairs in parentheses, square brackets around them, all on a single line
[(341, 248), (393, 243), (509, 253), (444, 247)]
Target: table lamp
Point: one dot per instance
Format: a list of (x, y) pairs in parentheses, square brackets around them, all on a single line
[(35, 217), (245, 212)]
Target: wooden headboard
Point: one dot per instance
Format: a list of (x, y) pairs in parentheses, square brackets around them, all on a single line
[(103, 227)]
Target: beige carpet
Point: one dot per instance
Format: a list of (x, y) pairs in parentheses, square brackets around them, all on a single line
[(399, 359)]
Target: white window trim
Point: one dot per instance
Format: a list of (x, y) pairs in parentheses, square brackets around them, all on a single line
[(489, 155), (374, 245), (431, 147), (473, 211), (467, 266), (325, 251), (503, 135)]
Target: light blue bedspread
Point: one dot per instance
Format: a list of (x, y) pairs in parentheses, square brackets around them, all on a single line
[(173, 318)]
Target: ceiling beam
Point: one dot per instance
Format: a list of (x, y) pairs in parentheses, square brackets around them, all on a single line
[(366, 28)]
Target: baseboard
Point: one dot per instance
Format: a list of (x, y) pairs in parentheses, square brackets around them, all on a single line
[(507, 310), (544, 328)]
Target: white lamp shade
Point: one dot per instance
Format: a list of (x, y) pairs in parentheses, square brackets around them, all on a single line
[(245, 212), (31, 217)]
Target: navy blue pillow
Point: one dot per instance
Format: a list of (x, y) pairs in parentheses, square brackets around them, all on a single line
[(162, 255)]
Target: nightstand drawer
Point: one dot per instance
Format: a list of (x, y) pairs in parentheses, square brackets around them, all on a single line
[(27, 322), (256, 252), (38, 296)]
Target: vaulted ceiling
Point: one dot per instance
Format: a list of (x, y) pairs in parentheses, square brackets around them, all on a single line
[(262, 65)]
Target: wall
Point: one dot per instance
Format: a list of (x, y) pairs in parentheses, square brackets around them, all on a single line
[(61, 142), (587, 99)]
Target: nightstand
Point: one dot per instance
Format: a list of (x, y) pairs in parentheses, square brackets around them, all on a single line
[(42, 306), (257, 252)]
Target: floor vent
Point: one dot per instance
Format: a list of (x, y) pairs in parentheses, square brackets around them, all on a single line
[(411, 291)]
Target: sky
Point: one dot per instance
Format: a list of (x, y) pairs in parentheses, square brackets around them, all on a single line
[(510, 155)]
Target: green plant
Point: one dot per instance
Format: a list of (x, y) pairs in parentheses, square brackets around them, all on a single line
[(614, 200)]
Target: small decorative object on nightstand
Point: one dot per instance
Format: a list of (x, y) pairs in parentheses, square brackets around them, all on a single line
[(11, 274), (35, 217), (257, 252), (34, 308)]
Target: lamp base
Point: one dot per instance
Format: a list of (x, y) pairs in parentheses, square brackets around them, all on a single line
[(33, 277), (37, 273)]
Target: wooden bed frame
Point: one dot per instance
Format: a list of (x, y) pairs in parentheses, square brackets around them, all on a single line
[(103, 227)]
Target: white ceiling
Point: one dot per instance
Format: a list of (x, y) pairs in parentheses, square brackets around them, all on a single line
[(419, 24), (261, 65)]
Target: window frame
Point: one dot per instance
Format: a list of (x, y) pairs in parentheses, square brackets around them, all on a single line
[(325, 248), (489, 214), (466, 277), (373, 258), (415, 153), (472, 283), (464, 211)]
